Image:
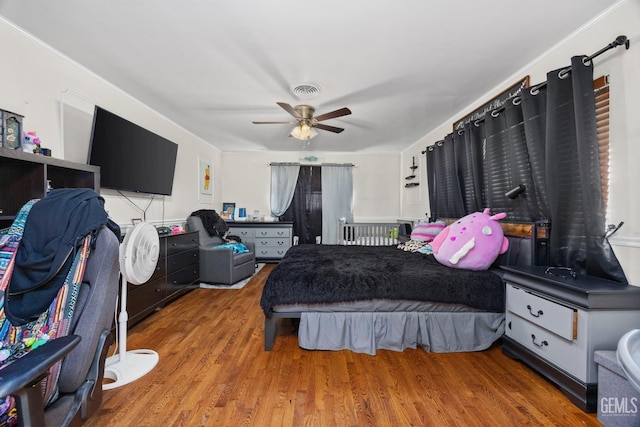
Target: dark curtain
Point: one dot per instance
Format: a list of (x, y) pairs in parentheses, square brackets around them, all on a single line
[(573, 175), (443, 162), (496, 163), (507, 165), (431, 181), (534, 112), (468, 146), (306, 207), (545, 140)]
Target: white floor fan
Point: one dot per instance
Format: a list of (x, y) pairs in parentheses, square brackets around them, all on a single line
[(138, 258)]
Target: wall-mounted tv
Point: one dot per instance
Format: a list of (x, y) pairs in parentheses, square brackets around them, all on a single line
[(130, 157)]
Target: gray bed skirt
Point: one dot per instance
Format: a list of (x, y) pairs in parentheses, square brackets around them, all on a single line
[(367, 332)]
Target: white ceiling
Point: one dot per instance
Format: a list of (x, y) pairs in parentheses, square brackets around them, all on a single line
[(212, 66)]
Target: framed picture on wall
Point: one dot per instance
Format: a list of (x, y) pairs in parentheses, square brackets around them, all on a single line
[(205, 180), (228, 210)]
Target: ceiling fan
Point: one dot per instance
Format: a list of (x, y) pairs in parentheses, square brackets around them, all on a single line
[(306, 121)]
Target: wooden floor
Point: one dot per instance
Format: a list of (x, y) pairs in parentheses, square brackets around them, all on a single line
[(213, 371)]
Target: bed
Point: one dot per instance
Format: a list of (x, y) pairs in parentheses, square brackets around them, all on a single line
[(365, 298)]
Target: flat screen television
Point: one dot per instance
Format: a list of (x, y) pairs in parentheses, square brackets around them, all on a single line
[(130, 157)]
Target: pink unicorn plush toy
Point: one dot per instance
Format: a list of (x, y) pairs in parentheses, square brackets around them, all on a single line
[(472, 243)]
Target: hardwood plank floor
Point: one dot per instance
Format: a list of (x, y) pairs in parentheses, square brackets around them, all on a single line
[(213, 371)]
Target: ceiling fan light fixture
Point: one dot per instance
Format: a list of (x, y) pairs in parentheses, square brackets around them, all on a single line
[(304, 131), (306, 122)]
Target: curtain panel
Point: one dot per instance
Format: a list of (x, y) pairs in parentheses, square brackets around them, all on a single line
[(284, 178), (573, 175), (507, 165), (546, 141), (446, 192), (337, 200), (472, 144), (306, 205)]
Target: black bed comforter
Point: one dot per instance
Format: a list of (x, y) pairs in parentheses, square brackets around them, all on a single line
[(311, 274)]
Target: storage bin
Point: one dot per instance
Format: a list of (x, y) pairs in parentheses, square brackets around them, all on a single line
[(618, 401)]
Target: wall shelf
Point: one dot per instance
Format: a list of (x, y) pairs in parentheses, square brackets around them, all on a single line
[(413, 168), (24, 176)]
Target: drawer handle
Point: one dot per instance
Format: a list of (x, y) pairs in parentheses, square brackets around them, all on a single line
[(542, 344), (540, 313)]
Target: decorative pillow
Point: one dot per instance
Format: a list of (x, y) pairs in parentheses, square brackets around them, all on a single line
[(411, 245), (472, 243), (426, 249), (427, 231)]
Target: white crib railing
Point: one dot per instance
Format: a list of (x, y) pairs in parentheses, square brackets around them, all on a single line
[(368, 234)]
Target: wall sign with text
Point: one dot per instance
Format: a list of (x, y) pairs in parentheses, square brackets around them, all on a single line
[(494, 103)]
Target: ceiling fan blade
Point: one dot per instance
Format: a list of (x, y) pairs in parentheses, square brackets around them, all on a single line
[(274, 123), (333, 114), (329, 128), (289, 109)]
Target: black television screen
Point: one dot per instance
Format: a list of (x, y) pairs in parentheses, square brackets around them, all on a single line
[(130, 157)]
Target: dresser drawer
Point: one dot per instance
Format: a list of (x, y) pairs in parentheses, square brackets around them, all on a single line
[(557, 318), (160, 271), (272, 232), (271, 252), (245, 234), (140, 298), (182, 259), (185, 276), (181, 242), (567, 355), (276, 243)]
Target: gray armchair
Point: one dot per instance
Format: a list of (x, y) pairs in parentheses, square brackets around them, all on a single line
[(221, 265)]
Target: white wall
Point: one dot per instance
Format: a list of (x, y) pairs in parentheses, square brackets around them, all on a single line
[(246, 178), (57, 98), (623, 67)]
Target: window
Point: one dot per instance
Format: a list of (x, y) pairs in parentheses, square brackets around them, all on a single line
[(601, 85)]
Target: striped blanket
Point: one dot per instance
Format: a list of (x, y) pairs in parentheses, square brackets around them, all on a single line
[(18, 340)]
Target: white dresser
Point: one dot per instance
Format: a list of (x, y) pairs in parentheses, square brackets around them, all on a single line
[(272, 239), (555, 324)]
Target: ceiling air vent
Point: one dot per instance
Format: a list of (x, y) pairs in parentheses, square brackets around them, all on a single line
[(305, 90)]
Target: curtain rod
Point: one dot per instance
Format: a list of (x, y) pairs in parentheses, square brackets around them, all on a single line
[(619, 41), (312, 164)]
